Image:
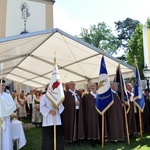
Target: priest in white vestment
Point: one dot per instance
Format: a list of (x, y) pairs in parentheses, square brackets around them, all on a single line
[(7, 107)]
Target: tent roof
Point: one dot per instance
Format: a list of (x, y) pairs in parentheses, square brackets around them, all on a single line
[(29, 58)]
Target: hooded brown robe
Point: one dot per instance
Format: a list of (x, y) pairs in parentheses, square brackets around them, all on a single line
[(145, 115), (131, 115), (70, 117), (115, 122), (92, 122)]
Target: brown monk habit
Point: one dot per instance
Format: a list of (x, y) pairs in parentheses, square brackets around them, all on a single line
[(70, 117), (146, 115), (115, 122), (92, 122), (131, 115)]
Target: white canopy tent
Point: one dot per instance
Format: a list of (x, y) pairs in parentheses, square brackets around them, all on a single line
[(29, 58)]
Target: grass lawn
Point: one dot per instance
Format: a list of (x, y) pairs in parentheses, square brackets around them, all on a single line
[(34, 139)]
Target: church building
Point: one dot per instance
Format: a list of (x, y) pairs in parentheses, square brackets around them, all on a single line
[(24, 16), (21, 16)]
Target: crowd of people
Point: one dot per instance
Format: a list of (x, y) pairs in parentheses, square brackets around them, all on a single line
[(86, 123), (28, 105), (76, 117)]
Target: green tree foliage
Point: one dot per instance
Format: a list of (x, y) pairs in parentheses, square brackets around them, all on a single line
[(148, 22), (125, 29), (136, 49), (100, 36)]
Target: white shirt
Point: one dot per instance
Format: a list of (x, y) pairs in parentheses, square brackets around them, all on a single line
[(45, 107), (76, 97), (94, 94), (132, 100), (113, 91), (30, 99)]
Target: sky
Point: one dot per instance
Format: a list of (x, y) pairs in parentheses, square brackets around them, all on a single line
[(72, 15)]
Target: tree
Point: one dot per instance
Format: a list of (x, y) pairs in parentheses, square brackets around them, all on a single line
[(125, 29), (100, 36), (148, 22), (136, 49)]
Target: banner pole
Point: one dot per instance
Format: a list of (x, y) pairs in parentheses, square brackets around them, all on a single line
[(103, 130), (127, 130), (55, 111), (55, 131), (140, 120)]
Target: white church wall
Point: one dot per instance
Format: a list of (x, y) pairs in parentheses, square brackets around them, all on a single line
[(15, 24)]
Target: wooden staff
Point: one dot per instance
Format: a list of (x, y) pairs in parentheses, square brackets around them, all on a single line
[(55, 114), (126, 121), (140, 121), (1, 119), (54, 117), (103, 128)]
